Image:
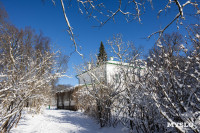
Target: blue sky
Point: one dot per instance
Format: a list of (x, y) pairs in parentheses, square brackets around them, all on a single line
[(49, 19)]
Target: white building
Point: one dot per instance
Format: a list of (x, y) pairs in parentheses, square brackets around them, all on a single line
[(107, 72)]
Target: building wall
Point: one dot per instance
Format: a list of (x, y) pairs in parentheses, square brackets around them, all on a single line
[(117, 71), (111, 72), (90, 76)]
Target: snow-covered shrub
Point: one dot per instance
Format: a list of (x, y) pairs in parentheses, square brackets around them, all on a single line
[(174, 83), (151, 95)]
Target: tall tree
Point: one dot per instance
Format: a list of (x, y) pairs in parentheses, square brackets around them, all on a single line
[(102, 56)]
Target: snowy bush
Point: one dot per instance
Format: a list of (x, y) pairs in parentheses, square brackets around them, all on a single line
[(151, 95), (174, 82)]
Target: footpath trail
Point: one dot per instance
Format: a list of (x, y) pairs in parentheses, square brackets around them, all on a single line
[(60, 121)]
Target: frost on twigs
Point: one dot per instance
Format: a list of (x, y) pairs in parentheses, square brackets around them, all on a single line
[(103, 12), (175, 82), (164, 88), (180, 14), (28, 69)]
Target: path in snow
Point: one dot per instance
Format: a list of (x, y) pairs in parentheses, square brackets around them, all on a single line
[(60, 121)]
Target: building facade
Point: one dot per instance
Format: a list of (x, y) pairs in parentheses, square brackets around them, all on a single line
[(110, 72)]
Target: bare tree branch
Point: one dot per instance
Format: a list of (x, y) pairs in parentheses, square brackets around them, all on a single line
[(70, 29)]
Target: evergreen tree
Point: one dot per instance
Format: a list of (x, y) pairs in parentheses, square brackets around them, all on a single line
[(102, 56)]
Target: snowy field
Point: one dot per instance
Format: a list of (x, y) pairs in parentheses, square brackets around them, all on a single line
[(60, 121)]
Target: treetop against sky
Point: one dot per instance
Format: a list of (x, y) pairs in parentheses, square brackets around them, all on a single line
[(46, 17)]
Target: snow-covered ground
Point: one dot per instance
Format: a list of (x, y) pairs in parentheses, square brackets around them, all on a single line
[(60, 121)]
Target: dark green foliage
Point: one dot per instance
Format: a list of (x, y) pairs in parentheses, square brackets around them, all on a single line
[(102, 56)]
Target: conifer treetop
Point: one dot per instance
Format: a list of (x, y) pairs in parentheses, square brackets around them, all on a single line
[(102, 56)]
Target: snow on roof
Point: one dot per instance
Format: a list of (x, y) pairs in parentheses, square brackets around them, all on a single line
[(116, 62)]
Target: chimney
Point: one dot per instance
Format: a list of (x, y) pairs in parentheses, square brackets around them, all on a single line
[(111, 58), (89, 66)]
